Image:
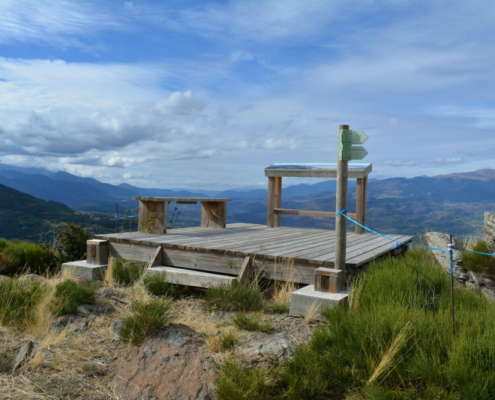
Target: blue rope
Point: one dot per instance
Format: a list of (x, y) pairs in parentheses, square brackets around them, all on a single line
[(342, 212), (397, 243)]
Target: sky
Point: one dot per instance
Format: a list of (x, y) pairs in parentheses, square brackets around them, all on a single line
[(206, 94)]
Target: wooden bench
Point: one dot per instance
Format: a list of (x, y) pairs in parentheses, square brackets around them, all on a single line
[(153, 212)]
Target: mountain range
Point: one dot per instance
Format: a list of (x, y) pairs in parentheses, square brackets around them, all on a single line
[(452, 203)]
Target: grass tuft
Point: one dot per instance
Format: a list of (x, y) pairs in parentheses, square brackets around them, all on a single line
[(238, 382), (19, 301), (6, 362), (126, 273), (251, 322), (479, 262), (228, 340), (145, 318), (235, 296), (68, 295)]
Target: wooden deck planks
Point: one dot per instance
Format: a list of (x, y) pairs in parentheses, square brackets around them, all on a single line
[(309, 246)]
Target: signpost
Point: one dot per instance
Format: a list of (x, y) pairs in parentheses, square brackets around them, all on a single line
[(346, 152)]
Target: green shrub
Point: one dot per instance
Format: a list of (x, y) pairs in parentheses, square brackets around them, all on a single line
[(19, 257), (157, 285), (71, 243), (251, 322), (394, 341), (228, 340), (6, 362), (234, 296), (69, 294), (145, 318), (126, 273), (479, 262), (397, 337), (238, 382), (19, 300)]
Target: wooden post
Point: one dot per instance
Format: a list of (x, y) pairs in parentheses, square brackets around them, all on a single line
[(97, 252), (328, 280), (277, 199), (341, 221), (452, 316), (270, 218)]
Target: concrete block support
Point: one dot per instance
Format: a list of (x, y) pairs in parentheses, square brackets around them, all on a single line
[(81, 269), (307, 301)]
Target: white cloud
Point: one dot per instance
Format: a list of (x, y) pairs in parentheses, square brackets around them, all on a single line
[(53, 23)]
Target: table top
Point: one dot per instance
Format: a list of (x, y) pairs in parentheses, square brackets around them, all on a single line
[(179, 199), (316, 170)]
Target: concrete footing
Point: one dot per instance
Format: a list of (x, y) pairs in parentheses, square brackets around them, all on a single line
[(306, 302), (81, 269)]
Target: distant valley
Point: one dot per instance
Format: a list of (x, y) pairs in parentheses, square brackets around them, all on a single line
[(450, 203)]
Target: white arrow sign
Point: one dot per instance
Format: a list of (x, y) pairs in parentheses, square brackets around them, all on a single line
[(358, 152), (358, 137)]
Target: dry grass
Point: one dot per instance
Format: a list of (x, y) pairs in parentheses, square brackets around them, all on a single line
[(312, 313), (282, 290), (387, 362), (108, 279)]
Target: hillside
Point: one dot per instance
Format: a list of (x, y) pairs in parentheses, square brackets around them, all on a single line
[(23, 216)]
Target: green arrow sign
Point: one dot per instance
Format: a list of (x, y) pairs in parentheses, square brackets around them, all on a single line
[(358, 137), (358, 152)]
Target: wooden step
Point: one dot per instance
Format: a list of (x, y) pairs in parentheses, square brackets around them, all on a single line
[(189, 277)]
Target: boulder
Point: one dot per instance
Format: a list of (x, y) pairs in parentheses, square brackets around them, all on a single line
[(171, 363), (490, 231), (268, 349), (440, 241), (31, 278), (23, 354)]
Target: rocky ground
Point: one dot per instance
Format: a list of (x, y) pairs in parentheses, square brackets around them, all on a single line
[(78, 356)]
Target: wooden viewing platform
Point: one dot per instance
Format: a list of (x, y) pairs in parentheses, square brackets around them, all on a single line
[(223, 251)]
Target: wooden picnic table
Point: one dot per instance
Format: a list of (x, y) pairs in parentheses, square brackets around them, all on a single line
[(153, 212)]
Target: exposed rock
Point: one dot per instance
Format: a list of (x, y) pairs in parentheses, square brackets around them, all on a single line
[(440, 241), (488, 281), (172, 363), (65, 319), (31, 278), (82, 323), (218, 316), (490, 231), (474, 277), (95, 309), (488, 293), (116, 326), (106, 293), (270, 348), (3, 278), (23, 354)]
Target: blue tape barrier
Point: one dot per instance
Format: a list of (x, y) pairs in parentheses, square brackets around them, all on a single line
[(343, 213)]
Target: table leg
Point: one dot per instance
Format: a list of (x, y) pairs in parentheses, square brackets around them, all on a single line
[(277, 200), (152, 216), (271, 203), (213, 214)]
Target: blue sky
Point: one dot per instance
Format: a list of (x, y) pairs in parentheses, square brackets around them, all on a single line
[(207, 94)]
